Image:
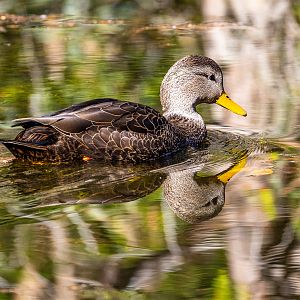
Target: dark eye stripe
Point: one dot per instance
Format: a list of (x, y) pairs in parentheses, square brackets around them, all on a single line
[(210, 77), (202, 74)]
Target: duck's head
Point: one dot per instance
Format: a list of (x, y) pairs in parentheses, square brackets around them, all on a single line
[(193, 80)]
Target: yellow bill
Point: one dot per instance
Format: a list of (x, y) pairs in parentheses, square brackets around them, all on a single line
[(226, 176), (226, 102)]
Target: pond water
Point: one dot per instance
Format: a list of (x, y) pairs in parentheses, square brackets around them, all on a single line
[(221, 222)]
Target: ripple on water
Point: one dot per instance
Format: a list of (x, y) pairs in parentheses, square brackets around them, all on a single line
[(41, 189)]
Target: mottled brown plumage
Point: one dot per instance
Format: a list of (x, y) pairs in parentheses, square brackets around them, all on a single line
[(112, 129)]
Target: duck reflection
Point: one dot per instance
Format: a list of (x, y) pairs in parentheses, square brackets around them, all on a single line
[(189, 188), (193, 195), (194, 187), (195, 198)]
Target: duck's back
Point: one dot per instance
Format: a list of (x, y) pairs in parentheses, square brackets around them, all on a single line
[(100, 128)]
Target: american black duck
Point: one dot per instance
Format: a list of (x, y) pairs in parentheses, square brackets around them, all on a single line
[(116, 130)]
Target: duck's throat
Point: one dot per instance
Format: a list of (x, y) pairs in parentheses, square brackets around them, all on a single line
[(191, 126)]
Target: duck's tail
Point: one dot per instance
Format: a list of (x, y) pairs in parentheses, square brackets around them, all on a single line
[(24, 150)]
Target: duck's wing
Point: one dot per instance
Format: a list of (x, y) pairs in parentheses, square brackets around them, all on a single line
[(105, 112)]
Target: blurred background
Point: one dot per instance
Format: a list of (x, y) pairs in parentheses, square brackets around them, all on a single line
[(56, 53)]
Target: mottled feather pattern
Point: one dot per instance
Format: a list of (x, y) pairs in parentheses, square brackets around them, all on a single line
[(193, 131), (109, 129)]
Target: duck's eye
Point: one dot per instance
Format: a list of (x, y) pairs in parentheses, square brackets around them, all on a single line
[(212, 77)]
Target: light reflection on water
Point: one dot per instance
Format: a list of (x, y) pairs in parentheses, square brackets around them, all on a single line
[(103, 230)]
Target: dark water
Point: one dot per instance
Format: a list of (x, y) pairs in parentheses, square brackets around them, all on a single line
[(220, 222)]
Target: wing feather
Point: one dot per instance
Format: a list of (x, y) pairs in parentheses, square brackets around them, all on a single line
[(105, 112)]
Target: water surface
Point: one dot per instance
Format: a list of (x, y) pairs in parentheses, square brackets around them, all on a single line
[(220, 222)]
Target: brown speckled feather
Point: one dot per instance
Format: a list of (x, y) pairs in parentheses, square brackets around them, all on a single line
[(100, 129)]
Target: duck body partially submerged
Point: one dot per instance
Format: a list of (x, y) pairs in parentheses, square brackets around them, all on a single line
[(97, 129), (116, 130)]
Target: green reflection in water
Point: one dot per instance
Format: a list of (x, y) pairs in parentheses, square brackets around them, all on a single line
[(93, 230)]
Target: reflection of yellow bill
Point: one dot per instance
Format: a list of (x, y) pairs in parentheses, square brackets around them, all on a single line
[(226, 176), (226, 102)]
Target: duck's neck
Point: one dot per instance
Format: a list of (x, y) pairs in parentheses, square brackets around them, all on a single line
[(179, 108), (190, 124)]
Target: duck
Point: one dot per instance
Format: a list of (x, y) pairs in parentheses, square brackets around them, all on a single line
[(115, 130)]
